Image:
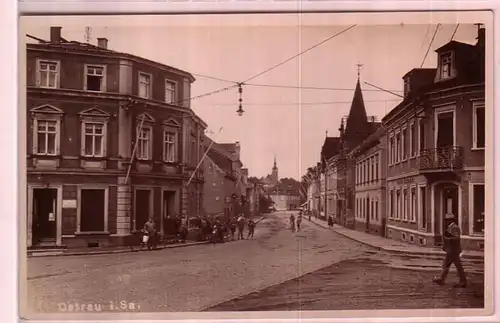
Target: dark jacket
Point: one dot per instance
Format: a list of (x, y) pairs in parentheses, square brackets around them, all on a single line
[(451, 243)]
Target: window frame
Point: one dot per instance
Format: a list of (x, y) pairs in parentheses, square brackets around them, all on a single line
[(450, 71), (391, 148), (413, 203), (57, 137), (83, 134), (413, 140), (475, 106), (39, 76), (420, 210), (175, 134), (175, 91), (471, 207), (150, 91), (150, 142), (404, 153), (398, 204), (103, 79)]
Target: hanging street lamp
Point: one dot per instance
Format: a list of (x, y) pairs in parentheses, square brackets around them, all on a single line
[(240, 110)]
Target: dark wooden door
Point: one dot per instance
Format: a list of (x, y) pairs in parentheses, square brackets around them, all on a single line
[(44, 215), (142, 208), (92, 210)]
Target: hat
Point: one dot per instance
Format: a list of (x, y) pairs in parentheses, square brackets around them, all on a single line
[(449, 216)]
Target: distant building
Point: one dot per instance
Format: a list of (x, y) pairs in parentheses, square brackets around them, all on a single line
[(272, 179), (436, 149), (286, 195)]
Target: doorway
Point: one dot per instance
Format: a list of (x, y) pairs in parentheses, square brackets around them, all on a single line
[(44, 216), (142, 207), (449, 204), (168, 209)]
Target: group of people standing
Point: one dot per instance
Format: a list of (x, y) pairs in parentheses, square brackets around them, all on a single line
[(238, 223)]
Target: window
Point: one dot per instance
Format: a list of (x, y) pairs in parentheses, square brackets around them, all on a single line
[(170, 89), (372, 212), (391, 150), (413, 203), (404, 212), (194, 158), (478, 202), (406, 86), (376, 210), (46, 137), (144, 143), (376, 166), (372, 162), (398, 148), (404, 138), (169, 146), (422, 207), (95, 78), (421, 134), (413, 139), (391, 204), (145, 85), (48, 74), (445, 60), (478, 125), (93, 141), (398, 204)]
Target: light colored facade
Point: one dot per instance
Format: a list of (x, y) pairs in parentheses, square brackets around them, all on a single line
[(370, 175), (331, 188), (436, 151)]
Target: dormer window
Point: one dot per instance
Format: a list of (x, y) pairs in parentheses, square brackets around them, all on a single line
[(406, 86), (445, 59)]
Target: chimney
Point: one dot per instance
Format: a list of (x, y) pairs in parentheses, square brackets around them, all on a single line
[(237, 149), (102, 43), (55, 35), (480, 36)]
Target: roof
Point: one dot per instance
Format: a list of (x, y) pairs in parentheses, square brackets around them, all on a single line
[(357, 118), (422, 71), (331, 147), (454, 44), (373, 139), (221, 161), (69, 46)]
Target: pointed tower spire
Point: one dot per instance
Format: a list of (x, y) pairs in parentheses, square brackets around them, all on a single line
[(357, 120), (274, 165)]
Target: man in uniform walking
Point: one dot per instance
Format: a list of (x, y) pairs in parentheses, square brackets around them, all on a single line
[(453, 249)]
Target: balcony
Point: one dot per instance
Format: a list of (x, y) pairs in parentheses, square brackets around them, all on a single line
[(441, 159)]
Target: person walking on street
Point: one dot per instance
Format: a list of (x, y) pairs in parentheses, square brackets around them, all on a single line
[(299, 221), (453, 249), (292, 222), (241, 227), (150, 228), (330, 221), (251, 228)]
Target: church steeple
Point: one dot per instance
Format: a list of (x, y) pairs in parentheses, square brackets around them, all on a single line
[(357, 120), (274, 165), (274, 173)]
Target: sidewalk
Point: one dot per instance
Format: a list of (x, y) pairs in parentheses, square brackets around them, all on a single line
[(392, 246), (109, 250)]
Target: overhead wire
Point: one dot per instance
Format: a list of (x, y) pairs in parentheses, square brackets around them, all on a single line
[(430, 45), (454, 32)]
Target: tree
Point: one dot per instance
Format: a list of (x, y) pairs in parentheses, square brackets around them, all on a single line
[(265, 203)]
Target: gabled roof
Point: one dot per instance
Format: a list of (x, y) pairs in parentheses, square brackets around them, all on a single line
[(220, 160), (454, 44)]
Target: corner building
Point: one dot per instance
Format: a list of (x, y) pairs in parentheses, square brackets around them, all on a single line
[(87, 108), (436, 149)]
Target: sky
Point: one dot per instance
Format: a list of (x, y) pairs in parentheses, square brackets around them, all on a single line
[(288, 122)]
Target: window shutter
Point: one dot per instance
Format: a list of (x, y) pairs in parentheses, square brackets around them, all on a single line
[(105, 139), (35, 136), (82, 138), (85, 77), (58, 137)]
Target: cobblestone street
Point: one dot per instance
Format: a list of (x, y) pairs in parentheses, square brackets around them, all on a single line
[(208, 276)]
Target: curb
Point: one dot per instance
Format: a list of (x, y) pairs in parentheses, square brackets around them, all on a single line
[(402, 252), (104, 252)]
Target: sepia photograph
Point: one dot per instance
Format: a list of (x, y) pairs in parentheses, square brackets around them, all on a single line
[(256, 163)]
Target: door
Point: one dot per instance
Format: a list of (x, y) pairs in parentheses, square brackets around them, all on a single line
[(168, 210), (449, 204), (142, 208), (44, 216), (92, 210), (445, 139)]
